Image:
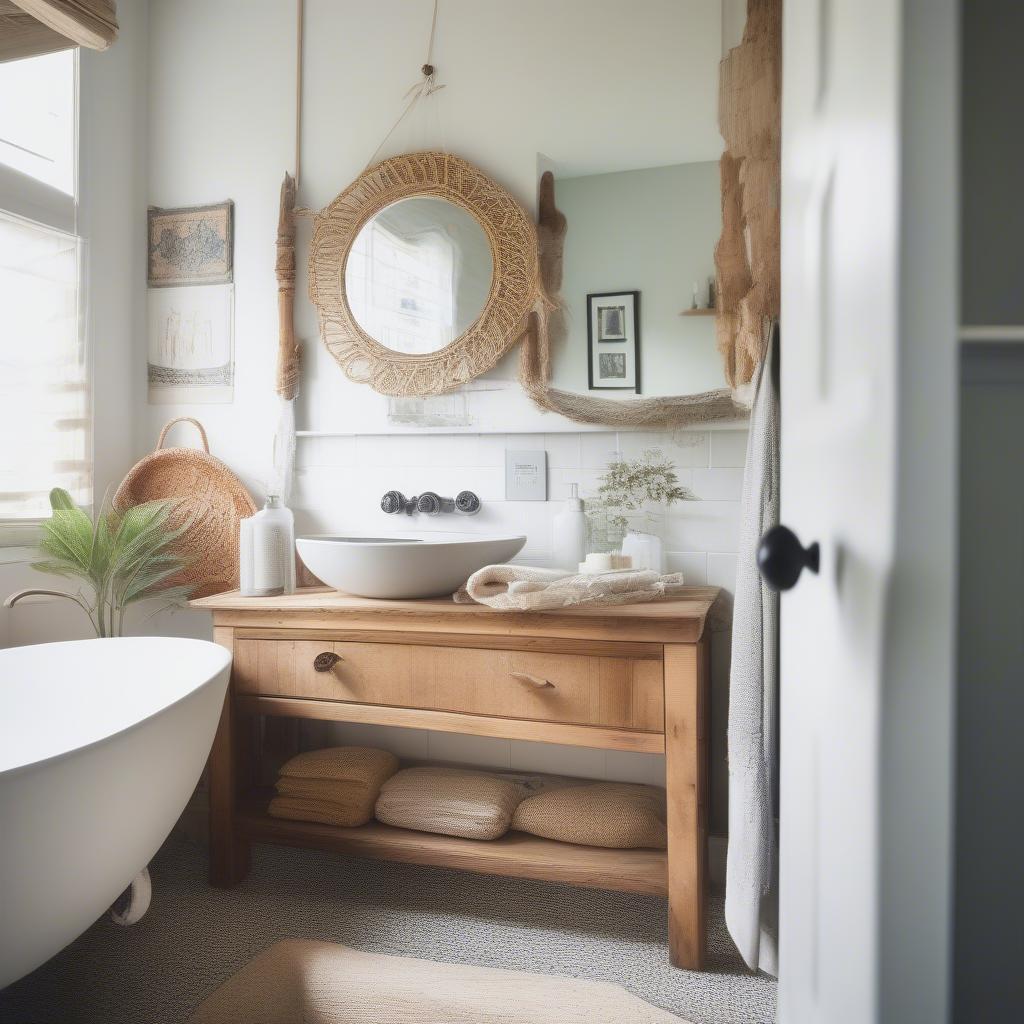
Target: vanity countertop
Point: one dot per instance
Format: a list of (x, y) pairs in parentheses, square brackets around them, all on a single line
[(680, 620)]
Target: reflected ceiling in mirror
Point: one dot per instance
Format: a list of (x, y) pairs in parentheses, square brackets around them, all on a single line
[(418, 274)]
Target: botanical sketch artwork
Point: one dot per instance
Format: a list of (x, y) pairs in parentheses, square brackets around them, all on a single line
[(190, 345), (191, 245)]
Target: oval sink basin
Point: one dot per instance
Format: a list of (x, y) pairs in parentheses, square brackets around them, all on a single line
[(403, 565)]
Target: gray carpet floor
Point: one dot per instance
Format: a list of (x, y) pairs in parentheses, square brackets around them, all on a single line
[(195, 937)]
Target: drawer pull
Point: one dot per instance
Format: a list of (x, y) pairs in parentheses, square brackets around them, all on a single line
[(540, 684), (326, 661)]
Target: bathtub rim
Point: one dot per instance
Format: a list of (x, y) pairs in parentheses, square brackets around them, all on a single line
[(52, 759)]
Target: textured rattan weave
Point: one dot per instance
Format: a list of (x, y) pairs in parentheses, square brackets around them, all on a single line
[(207, 494), (514, 290)]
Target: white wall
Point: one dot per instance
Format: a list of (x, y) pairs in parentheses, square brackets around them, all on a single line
[(227, 132)]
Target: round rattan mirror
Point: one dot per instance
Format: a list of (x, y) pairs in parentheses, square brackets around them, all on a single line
[(423, 272)]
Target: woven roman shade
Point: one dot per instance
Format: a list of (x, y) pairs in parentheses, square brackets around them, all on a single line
[(29, 28)]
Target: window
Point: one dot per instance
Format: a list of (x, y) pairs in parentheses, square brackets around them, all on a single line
[(402, 287), (45, 421)]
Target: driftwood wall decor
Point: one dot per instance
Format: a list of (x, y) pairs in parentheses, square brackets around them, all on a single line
[(288, 348), (547, 328), (747, 254)]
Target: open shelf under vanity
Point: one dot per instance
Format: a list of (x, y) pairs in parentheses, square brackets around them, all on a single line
[(632, 678), (515, 854)]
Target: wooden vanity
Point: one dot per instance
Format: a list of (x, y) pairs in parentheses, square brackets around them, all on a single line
[(627, 678)]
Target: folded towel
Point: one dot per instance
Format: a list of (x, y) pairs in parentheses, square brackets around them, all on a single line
[(526, 588), (352, 801), (360, 765), (325, 812)]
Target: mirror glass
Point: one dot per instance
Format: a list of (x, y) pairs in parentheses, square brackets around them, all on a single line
[(639, 255), (418, 274)]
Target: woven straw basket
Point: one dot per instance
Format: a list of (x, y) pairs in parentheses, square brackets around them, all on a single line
[(208, 494)]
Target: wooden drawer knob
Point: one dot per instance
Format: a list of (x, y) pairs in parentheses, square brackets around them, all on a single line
[(540, 684), (325, 661)]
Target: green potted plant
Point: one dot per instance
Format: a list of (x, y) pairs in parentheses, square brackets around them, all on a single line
[(631, 500), (120, 557)]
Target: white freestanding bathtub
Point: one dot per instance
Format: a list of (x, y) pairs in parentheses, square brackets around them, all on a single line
[(101, 745)]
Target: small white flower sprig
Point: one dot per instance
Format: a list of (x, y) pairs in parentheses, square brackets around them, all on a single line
[(627, 486)]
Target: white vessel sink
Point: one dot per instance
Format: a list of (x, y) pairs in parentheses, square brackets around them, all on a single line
[(403, 565)]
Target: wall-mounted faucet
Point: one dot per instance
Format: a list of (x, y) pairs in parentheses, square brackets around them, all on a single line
[(465, 503)]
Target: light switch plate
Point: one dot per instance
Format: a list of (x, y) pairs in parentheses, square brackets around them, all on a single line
[(526, 476)]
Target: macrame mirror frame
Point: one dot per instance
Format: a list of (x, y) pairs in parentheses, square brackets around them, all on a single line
[(515, 289)]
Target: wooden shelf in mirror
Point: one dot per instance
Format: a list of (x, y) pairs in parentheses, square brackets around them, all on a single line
[(515, 855), (698, 312)]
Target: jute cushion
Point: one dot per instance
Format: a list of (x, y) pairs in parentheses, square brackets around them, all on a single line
[(450, 801), (613, 814)]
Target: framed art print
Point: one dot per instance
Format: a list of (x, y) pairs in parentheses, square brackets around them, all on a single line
[(613, 341), (192, 245)]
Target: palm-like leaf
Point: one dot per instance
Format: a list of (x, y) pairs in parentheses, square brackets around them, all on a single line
[(123, 557)]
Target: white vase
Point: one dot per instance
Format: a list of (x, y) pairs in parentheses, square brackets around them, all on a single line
[(645, 550)]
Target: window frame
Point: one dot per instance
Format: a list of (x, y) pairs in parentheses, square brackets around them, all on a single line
[(27, 199)]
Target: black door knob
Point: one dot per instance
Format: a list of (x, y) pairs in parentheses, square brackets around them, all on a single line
[(781, 558)]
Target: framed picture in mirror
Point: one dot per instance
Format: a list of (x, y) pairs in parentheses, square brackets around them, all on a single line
[(613, 341)]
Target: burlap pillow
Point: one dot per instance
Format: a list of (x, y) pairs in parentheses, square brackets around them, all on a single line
[(450, 801), (361, 765), (613, 814)]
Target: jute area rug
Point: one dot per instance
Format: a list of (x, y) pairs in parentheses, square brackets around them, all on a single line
[(302, 982)]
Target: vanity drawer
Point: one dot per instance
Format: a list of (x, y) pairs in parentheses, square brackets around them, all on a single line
[(579, 689)]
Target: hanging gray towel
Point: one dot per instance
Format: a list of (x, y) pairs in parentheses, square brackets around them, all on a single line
[(751, 908)]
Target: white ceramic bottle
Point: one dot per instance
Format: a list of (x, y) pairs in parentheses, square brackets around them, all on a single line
[(267, 551), (569, 541)]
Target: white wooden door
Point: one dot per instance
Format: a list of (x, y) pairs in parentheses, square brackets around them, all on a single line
[(847, 244)]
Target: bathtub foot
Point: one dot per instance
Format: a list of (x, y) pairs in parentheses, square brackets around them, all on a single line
[(134, 901)]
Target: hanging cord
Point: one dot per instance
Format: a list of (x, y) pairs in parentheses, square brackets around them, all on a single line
[(300, 19), (427, 86)]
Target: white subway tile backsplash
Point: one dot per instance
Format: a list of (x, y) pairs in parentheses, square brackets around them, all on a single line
[(339, 483), (588, 480), (407, 744), (722, 570), (565, 451), (728, 448), (597, 450), (717, 484), (463, 749), (703, 526), (554, 759), (629, 766), (692, 564)]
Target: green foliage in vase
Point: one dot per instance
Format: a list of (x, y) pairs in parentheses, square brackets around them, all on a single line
[(631, 486), (121, 557)]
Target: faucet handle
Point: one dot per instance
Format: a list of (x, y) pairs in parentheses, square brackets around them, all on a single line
[(432, 504), (467, 503), (395, 501)]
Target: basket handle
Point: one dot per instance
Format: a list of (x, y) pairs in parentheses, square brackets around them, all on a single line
[(183, 419)]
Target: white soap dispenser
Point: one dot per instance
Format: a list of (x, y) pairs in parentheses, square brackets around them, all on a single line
[(267, 551), (569, 543)]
